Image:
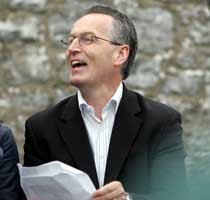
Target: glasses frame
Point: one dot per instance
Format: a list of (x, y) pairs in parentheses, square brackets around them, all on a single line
[(67, 44)]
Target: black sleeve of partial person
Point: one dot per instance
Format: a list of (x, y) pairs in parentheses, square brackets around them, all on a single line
[(9, 176)]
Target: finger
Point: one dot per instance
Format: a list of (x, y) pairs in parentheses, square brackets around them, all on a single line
[(107, 188), (117, 194), (113, 190), (113, 196), (102, 191)]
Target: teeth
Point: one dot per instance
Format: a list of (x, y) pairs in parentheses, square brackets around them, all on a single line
[(77, 62)]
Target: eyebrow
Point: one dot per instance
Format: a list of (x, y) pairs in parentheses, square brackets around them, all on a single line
[(88, 32)]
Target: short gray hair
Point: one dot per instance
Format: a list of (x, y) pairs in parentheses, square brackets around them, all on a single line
[(123, 32)]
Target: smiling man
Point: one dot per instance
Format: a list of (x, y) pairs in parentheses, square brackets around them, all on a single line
[(130, 146)]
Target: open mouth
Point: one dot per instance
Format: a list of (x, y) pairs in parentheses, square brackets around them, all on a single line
[(78, 63)]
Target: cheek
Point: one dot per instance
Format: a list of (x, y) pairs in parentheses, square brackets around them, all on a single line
[(67, 55)]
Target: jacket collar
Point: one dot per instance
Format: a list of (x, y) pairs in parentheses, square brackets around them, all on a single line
[(125, 130)]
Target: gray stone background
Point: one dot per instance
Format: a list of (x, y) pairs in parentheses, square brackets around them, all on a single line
[(172, 65)]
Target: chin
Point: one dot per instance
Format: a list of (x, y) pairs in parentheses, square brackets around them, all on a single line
[(75, 82)]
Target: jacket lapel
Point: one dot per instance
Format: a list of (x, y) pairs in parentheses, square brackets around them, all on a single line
[(125, 130), (73, 132)]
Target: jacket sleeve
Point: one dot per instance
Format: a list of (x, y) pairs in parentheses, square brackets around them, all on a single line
[(167, 172)]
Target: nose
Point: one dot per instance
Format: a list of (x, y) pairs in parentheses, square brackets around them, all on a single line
[(75, 46)]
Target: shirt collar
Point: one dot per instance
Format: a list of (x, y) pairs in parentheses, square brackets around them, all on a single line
[(116, 98)]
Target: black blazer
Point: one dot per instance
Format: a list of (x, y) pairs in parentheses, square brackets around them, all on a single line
[(146, 150), (9, 176)]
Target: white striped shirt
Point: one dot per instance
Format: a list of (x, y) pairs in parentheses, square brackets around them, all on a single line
[(99, 131)]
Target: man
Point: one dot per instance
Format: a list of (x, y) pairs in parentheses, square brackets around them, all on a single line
[(127, 144), (9, 176)]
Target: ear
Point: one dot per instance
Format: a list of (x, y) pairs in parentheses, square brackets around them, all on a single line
[(121, 55)]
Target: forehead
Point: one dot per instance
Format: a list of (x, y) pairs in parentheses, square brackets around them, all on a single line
[(96, 23)]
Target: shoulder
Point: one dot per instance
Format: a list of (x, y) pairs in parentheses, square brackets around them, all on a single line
[(53, 111), (7, 142), (5, 133), (162, 124), (156, 110)]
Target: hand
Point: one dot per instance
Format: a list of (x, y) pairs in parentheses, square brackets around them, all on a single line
[(111, 191)]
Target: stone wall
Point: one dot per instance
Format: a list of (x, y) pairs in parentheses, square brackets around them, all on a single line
[(172, 65)]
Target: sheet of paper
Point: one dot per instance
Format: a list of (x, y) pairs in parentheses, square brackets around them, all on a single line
[(55, 181)]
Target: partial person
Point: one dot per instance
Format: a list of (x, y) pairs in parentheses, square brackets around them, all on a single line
[(9, 176), (129, 145)]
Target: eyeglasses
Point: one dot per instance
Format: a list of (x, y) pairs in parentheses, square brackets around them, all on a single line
[(84, 39)]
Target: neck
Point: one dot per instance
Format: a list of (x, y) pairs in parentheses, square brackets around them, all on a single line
[(98, 98)]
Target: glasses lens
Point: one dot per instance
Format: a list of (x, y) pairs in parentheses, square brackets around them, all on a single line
[(70, 39), (83, 39), (86, 39)]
